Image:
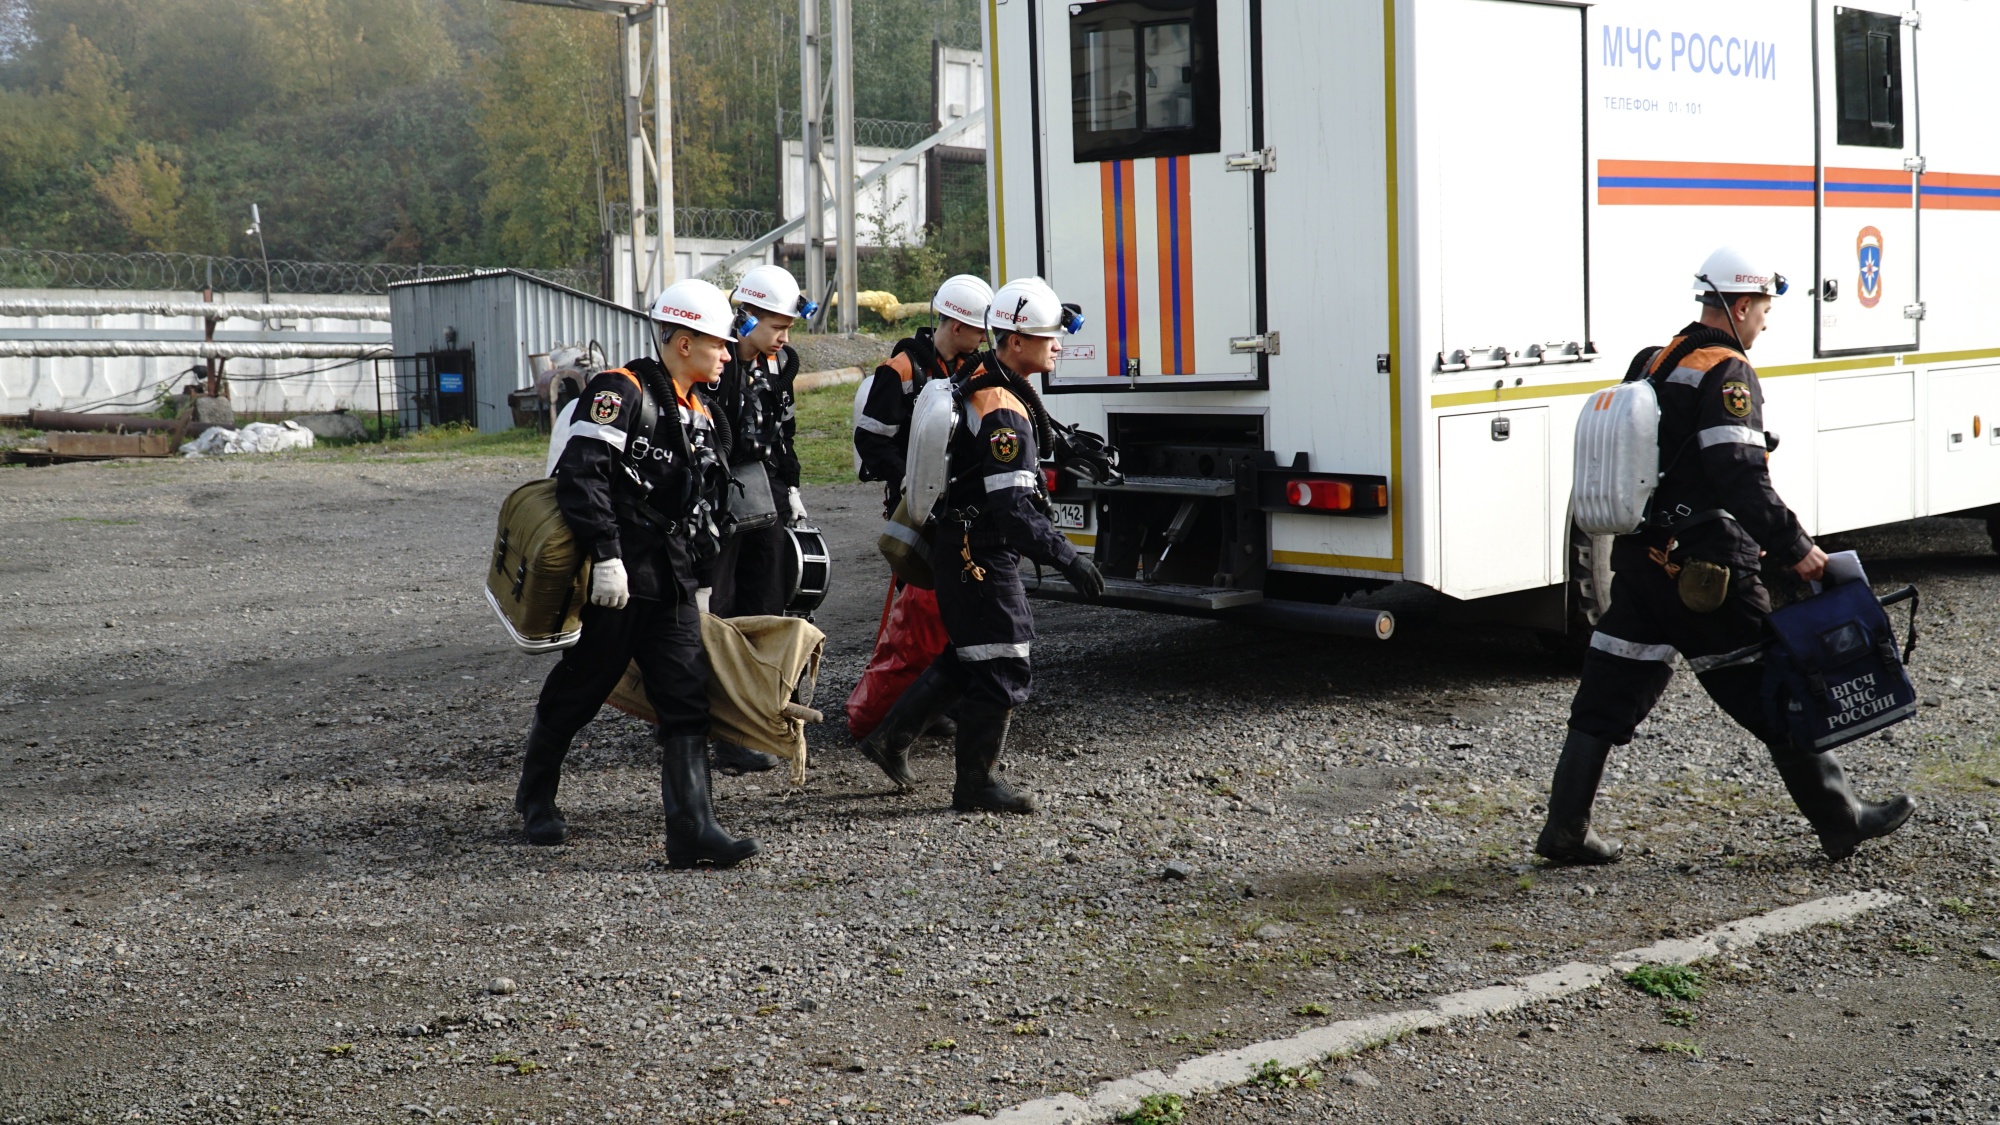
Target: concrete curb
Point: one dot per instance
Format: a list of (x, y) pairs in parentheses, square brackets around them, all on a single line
[(1224, 1069), (817, 380)]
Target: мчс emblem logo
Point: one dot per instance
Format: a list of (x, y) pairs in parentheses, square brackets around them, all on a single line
[(604, 407), (1006, 445), (1868, 249), (1736, 399)]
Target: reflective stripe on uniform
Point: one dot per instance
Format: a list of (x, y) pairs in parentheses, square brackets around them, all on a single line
[(909, 535), (998, 481), (611, 435), (874, 427), (1726, 435), (1687, 376), (974, 653), (1605, 642)]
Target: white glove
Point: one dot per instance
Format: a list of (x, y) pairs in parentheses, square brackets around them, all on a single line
[(798, 504), (607, 584), (701, 597)]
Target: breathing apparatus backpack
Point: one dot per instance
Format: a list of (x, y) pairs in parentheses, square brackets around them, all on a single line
[(1617, 466)]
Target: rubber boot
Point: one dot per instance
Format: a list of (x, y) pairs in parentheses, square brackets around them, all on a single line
[(693, 836), (944, 726), (1567, 838), (982, 734), (736, 760), (1819, 788), (535, 797), (921, 704)]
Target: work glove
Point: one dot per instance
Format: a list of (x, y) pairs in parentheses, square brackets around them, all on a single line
[(701, 597), (798, 505), (607, 584), (1084, 577)]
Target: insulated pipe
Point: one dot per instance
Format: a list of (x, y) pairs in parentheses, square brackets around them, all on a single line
[(108, 423), (186, 349), (1310, 617), (204, 310)]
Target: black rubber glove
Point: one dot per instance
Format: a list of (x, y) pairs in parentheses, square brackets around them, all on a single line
[(1085, 578)]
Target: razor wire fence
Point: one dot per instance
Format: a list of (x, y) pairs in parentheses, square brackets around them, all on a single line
[(63, 269), (869, 132), (727, 224)]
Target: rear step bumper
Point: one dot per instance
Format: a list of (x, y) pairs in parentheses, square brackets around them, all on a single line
[(1249, 607)]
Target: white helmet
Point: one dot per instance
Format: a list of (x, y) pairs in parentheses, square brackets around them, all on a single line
[(963, 298), (695, 304), (773, 289), (1729, 270), (1027, 305)]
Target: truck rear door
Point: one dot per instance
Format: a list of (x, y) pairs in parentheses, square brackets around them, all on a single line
[(1150, 191)]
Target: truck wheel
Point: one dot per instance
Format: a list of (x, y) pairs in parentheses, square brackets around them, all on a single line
[(1993, 531)]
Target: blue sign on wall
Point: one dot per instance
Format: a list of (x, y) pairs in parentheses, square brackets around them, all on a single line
[(451, 383)]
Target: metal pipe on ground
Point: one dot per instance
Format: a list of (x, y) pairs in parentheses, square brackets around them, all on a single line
[(1310, 617), (64, 420)]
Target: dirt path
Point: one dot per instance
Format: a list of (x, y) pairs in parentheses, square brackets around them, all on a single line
[(257, 860)]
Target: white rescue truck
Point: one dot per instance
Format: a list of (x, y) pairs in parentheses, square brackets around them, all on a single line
[(1352, 267)]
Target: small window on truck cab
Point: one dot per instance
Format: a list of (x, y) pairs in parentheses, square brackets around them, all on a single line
[(1142, 79), (1868, 77)]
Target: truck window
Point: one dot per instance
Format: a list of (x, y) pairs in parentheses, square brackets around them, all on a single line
[(1868, 74), (1142, 79)]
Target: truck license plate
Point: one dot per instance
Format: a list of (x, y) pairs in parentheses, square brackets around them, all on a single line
[(1072, 516)]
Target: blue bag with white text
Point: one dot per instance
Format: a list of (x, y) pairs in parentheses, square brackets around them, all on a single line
[(1832, 673)]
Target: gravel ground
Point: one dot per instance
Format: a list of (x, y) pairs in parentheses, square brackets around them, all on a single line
[(257, 859)]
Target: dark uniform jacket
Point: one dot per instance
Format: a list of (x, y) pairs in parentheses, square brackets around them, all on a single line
[(996, 473), (609, 471), (755, 400), (1713, 456), (882, 433)]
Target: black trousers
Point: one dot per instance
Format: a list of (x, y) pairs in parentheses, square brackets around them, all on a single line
[(989, 622), (753, 572), (1628, 665), (663, 637)]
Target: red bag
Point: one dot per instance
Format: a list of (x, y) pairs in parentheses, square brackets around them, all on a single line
[(911, 637)]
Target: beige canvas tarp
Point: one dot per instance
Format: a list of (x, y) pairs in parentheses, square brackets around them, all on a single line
[(762, 673)]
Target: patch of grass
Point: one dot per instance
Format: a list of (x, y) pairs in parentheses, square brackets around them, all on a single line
[(1686, 1047), (825, 441), (1525, 883), (941, 1045), (453, 437), (1417, 951), (1158, 1109), (1668, 982), (1312, 1010), (1437, 887), (1679, 1017), (1026, 1027), (339, 1050), (1961, 907), (1913, 947), (1501, 946), (1960, 766), (1271, 1076)]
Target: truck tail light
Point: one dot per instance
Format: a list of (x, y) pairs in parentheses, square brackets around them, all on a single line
[(1327, 495), (1050, 478)]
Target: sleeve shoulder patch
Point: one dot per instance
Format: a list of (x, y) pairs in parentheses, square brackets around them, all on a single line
[(1005, 444), (604, 407), (1737, 400)]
